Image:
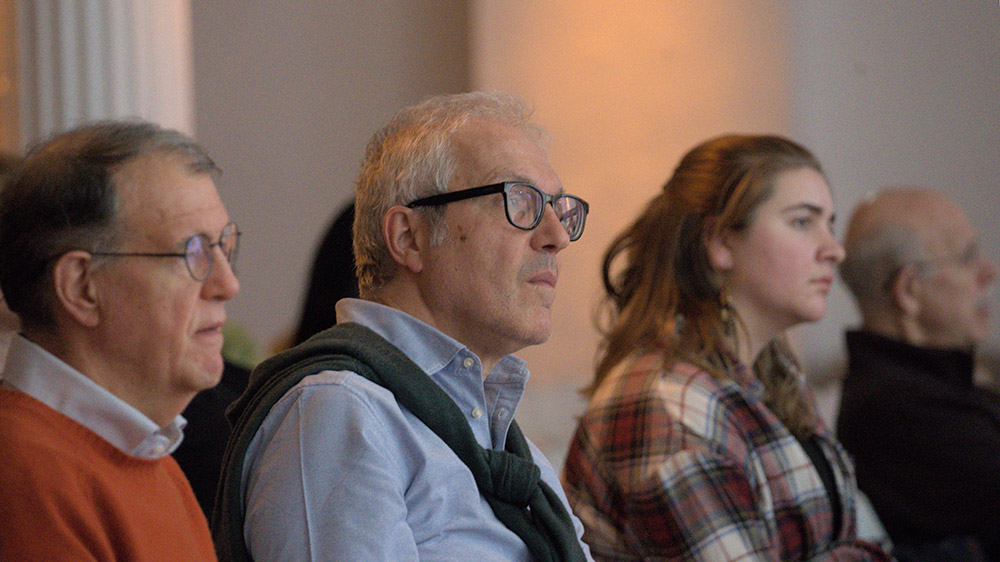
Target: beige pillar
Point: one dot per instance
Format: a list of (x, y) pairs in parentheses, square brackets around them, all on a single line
[(8, 79)]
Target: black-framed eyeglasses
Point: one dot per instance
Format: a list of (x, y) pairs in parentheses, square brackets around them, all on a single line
[(523, 203), (198, 254)]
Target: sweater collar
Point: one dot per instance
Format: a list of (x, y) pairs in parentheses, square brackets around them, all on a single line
[(955, 366)]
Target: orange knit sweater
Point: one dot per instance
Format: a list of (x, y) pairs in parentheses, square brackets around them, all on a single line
[(67, 494)]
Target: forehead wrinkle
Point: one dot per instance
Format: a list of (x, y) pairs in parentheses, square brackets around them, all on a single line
[(151, 208), (503, 173), (492, 151)]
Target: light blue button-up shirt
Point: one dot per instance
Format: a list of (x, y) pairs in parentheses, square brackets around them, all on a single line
[(46, 378), (340, 471)]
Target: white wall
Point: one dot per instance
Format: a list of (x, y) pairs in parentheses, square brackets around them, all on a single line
[(899, 92), (286, 95)]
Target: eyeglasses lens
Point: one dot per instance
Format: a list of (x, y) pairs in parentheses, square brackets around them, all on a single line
[(571, 215), (198, 256), (229, 243), (970, 256), (524, 205)]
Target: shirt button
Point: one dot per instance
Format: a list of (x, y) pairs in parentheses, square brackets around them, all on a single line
[(477, 413), (502, 413), (468, 362)]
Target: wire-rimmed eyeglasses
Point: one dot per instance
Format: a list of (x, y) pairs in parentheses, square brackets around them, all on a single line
[(198, 254), (523, 203), (968, 257)]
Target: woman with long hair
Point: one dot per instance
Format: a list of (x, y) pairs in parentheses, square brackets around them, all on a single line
[(700, 441)]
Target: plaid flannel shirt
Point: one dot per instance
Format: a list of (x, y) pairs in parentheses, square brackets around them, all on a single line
[(681, 465)]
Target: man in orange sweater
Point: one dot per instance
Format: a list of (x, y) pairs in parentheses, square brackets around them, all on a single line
[(116, 252)]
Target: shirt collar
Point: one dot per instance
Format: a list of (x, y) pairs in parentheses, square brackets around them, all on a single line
[(428, 347), (36, 372), (747, 380)]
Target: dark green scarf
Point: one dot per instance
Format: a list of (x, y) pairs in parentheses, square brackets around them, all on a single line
[(509, 480)]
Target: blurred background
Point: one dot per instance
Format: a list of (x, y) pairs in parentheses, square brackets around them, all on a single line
[(284, 95)]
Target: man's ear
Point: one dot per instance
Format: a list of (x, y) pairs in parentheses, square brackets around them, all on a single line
[(405, 234), (74, 287), (906, 288), (718, 246)]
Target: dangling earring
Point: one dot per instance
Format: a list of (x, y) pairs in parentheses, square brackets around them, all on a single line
[(725, 310)]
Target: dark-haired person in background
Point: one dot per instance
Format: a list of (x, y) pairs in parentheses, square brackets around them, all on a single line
[(9, 323), (331, 278), (207, 433)]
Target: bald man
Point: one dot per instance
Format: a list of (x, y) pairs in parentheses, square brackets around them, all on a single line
[(926, 441)]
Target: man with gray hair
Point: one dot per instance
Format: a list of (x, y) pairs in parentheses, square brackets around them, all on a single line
[(391, 435), (116, 253), (925, 439)]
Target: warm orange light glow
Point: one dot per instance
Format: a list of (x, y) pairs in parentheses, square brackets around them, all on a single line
[(625, 89)]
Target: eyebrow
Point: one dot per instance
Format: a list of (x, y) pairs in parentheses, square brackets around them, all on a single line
[(521, 179), (971, 246), (812, 208)]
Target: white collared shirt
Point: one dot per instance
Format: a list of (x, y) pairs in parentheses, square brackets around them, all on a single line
[(36, 372)]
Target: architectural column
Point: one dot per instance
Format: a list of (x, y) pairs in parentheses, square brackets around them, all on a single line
[(99, 59), (8, 78)]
